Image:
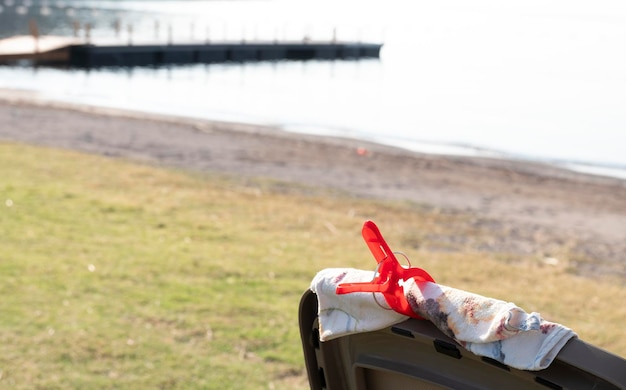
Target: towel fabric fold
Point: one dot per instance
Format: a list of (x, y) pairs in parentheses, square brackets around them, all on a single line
[(485, 326)]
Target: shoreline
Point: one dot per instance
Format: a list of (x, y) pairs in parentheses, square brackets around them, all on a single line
[(570, 168), (608, 170), (529, 207)]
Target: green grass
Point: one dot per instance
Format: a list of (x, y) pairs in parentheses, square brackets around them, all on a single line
[(120, 275)]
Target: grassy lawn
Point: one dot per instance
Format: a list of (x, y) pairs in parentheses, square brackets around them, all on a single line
[(120, 275)]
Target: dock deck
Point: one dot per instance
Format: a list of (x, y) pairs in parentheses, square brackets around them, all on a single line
[(74, 52)]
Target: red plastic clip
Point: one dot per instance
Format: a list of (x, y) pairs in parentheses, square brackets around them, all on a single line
[(389, 275)]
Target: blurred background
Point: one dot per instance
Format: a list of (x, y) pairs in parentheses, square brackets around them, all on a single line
[(538, 80)]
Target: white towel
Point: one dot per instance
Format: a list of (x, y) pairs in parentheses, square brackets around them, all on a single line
[(485, 326)]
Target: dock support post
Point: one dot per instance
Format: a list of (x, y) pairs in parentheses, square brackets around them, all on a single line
[(88, 33), (130, 35), (76, 27), (117, 27), (34, 31)]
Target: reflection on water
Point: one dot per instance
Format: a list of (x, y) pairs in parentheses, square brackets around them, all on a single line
[(286, 93)]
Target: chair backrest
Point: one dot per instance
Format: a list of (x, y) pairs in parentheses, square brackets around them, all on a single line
[(416, 355)]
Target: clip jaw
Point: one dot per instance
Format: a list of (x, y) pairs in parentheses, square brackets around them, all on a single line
[(390, 274)]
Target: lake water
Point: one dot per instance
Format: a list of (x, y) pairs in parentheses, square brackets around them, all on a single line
[(540, 80)]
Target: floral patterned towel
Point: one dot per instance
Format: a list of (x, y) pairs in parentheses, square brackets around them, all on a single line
[(485, 326)]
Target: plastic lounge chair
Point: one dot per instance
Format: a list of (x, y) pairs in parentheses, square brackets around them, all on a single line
[(416, 355)]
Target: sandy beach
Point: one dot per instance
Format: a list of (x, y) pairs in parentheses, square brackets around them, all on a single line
[(527, 207)]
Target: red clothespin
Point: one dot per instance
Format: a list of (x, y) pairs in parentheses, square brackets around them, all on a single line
[(389, 275)]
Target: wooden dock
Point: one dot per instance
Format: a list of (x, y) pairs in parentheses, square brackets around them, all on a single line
[(72, 52)]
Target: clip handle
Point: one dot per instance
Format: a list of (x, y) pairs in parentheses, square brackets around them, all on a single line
[(375, 242), (419, 274)]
